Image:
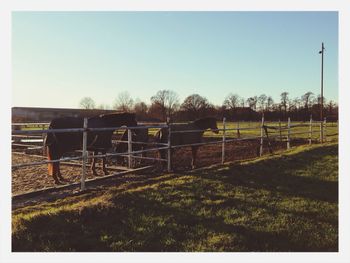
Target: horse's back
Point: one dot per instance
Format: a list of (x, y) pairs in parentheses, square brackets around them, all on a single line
[(64, 140), (180, 138), (66, 122), (142, 135), (138, 135)]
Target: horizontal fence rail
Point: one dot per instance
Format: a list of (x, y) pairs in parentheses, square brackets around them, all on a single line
[(283, 132), (30, 123)]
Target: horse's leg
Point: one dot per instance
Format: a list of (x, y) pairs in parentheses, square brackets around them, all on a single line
[(162, 154), (53, 167), (93, 163), (172, 154), (194, 156), (57, 167), (58, 171), (104, 161), (142, 155), (56, 174)]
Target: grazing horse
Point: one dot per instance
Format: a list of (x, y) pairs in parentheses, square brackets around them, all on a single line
[(56, 144), (190, 137), (140, 136)]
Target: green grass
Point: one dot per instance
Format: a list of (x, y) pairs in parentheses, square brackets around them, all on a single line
[(331, 130), (286, 202)]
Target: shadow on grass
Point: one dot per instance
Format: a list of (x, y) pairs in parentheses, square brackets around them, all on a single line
[(303, 174), (138, 224), (179, 217)]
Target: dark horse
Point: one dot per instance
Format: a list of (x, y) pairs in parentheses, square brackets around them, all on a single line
[(187, 137), (140, 138), (97, 141)]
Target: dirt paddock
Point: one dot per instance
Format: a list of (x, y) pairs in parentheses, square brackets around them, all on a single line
[(33, 178)]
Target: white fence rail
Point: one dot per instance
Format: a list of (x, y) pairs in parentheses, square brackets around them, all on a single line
[(276, 131)]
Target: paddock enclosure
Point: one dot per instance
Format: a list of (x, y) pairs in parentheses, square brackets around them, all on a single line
[(235, 141)]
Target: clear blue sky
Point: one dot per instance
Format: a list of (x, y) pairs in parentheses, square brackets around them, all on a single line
[(60, 57)]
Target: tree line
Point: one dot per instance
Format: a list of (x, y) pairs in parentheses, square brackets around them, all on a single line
[(166, 103)]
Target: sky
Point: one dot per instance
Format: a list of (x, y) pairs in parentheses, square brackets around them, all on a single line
[(60, 57)]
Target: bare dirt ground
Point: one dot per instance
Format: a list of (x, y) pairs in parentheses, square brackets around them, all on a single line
[(36, 177), (33, 178)]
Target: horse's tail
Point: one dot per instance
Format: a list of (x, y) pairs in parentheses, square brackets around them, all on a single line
[(157, 136), (49, 139), (46, 143), (48, 150), (141, 136)]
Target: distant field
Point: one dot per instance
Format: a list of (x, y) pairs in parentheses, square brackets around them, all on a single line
[(284, 202), (331, 128), (254, 130)]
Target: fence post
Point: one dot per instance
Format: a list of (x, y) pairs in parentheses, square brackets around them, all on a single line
[(169, 145), (83, 176), (325, 129), (280, 129), (288, 136), (321, 131), (129, 148), (261, 135), (310, 130), (223, 140), (43, 134), (238, 132)]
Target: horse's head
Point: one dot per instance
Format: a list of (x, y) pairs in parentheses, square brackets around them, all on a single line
[(130, 119), (207, 123), (213, 126)]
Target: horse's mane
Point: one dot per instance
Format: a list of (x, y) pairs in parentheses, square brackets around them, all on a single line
[(112, 118), (116, 114), (203, 121)]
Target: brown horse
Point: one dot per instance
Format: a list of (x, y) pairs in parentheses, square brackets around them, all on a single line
[(139, 136), (58, 144), (187, 137)]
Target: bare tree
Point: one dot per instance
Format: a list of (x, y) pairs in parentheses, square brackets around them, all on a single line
[(123, 102), (231, 101), (269, 103), (294, 104), (262, 102), (155, 112), (103, 106), (331, 106), (252, 102), (307, 99), (167, 101), (297, 102), (318, 100), (242, 102), (141, 109), (195, 106), (284, 101), (87, 103)]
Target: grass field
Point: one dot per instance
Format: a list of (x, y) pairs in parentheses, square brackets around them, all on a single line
[(285, 202), (253, 129), (301, 131)]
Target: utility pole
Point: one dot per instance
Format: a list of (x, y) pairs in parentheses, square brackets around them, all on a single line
[(321, 111)]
